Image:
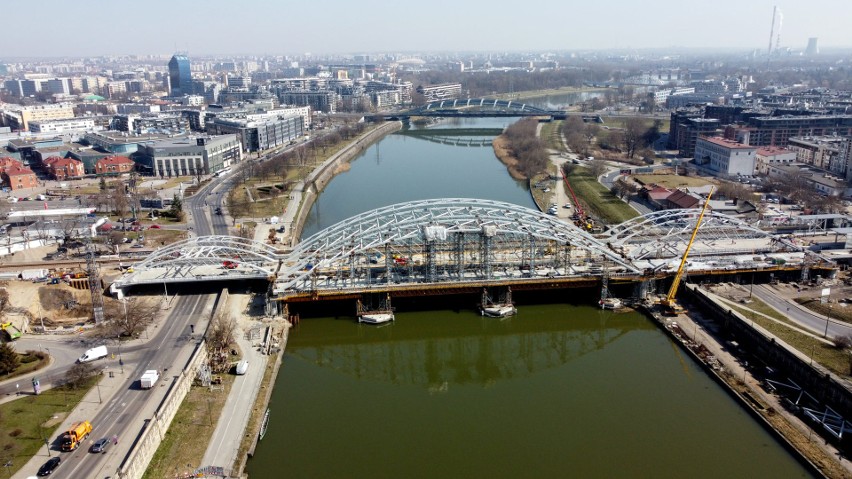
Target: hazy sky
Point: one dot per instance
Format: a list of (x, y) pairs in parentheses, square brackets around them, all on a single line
[(107, 27)]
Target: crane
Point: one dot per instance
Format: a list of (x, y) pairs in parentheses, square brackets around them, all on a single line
[(669, 303)]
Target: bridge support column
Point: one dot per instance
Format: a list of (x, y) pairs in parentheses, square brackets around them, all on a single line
[(643, 289), (459, 255), (431, 267)]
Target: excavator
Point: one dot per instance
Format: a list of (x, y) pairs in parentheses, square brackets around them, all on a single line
[(670, 305)]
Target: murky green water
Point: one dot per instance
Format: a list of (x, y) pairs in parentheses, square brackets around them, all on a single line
[(558, 391)]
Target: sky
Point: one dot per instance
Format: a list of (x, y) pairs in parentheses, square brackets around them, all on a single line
[(288, 27)]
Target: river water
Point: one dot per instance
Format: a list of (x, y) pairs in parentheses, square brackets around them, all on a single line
[(560, 390)]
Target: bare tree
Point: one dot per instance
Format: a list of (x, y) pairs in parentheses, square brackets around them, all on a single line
[(634, 131), (597, 167), (79, 374), (140, 313)]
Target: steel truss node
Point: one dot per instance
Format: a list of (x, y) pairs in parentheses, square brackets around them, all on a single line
[(444, 240), (665, 234)]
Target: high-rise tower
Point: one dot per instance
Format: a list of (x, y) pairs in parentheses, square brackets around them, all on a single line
[(180, 77)]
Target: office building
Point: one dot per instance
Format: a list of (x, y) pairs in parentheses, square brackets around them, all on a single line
[(203, 155), (180, 76)]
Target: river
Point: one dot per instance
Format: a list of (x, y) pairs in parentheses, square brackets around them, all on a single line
[(561, 389)]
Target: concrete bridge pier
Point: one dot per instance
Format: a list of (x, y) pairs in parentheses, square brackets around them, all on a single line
[(643, 288)]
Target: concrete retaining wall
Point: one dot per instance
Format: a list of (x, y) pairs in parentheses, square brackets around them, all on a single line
[(815, 379), (320, 177)]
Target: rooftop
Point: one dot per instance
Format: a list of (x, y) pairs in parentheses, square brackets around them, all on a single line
[(726, 143)]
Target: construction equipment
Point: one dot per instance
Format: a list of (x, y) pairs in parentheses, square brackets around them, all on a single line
[(670, 306), (11, 331)]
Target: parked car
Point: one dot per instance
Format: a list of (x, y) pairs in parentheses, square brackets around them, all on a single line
[(154, 227), (48, 467), (138, 245), (101, 445)]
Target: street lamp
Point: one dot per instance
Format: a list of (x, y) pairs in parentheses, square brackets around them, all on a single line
[(120, 362), (827, 318)]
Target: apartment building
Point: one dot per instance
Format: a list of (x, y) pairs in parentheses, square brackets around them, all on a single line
[(725, 158)]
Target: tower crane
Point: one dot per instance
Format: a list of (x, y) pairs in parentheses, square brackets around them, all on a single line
[(669, 304)]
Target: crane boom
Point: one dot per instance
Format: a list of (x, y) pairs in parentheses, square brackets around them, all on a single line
[(670, 301)]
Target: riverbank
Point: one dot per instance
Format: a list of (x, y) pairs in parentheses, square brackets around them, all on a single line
[(504, 153), (317, 180), (700, 335)]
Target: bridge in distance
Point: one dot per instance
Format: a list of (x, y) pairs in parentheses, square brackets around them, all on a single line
[(459, 245)]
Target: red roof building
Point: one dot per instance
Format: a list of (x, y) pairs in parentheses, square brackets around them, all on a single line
[(19, 177), (6, 162), (64, 168), (681, 200), (114, 165)]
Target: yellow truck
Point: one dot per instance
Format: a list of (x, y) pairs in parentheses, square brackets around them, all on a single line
[(75, 435)]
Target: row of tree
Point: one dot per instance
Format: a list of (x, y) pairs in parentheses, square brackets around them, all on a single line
[(529, 150), (635, 139)]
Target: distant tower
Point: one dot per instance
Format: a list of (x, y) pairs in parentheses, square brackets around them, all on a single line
[(776, 20), (813, 46), (180, 76)]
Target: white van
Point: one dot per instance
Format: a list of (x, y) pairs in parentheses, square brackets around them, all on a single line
[(97, 352)]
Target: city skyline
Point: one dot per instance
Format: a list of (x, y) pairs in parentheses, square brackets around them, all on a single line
[(265, 27)]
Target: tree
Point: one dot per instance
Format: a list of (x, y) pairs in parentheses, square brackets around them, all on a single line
[(597, 167), (79, 374), (102, 184), (9, 360), (140, 314), (634, 131), (176, 210)]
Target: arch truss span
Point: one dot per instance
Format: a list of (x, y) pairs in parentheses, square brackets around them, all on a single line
[(444, 240), (480, 104), (665, 234), (206, 258)]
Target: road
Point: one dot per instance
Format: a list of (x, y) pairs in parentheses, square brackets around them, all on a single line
[(819, 324), (63, 350), (124, 414)]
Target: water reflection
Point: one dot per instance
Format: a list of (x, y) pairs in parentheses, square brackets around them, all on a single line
[(427, 351)]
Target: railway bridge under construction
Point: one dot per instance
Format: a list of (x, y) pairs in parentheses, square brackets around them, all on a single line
[(461, 245)]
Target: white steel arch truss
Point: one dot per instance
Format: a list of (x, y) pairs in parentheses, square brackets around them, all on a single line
[(665, 234), (438, 240), (204, 257)]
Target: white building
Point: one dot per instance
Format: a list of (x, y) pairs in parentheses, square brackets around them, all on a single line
[(61, 126), (772, 156), (725, 157)]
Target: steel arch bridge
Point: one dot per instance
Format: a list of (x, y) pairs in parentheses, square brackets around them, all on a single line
[(440, 241), (665, 234), (434, 107), (204, 258)]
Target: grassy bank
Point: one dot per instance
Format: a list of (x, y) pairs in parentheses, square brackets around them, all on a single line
[(28, 421), (599, 200), (550, 133), (189, 434)]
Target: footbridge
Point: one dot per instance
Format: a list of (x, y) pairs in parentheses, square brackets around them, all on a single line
[(461, 245)]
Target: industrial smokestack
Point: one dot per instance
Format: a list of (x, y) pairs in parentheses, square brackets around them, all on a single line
[(813, 46), (772, 30)]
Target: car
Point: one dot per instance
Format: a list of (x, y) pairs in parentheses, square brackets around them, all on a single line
[(127, 240), (101, 445), (154, 227), (138, 245), (48, 467), (567, 206), (140, 238)]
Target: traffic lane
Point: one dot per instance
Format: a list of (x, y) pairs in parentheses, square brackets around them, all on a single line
[(801, 315), (63, 353), (121, 416)]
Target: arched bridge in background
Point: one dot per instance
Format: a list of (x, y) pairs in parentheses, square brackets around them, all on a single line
[(474, 107)]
